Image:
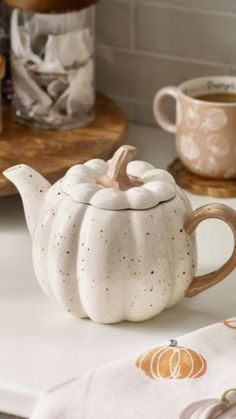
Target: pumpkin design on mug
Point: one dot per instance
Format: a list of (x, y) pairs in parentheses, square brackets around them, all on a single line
[(192, 118), (218, 144), (204, 114), (214, 119), (188, 147), (211, 168), (172, 361)]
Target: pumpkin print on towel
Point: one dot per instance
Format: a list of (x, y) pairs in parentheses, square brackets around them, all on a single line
[(210, 408), (230, 323), (172, 361)]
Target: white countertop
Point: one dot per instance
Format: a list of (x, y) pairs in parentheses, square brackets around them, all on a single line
[(41, 346)]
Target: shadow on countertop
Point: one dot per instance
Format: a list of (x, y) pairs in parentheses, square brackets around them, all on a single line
[(6, 416)]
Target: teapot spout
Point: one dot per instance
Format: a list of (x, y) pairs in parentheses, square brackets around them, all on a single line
[(32, 188)]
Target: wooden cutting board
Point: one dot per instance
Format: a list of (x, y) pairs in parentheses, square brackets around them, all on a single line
[(53, 152)]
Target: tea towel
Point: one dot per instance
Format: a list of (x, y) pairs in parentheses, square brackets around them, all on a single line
[(191, 377)]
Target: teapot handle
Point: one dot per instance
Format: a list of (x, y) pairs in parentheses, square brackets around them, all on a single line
[(221, 212)]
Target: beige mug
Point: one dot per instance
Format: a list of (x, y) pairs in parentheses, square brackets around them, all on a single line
[(205, 125)]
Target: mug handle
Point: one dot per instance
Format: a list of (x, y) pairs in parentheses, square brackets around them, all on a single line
[(226, 214), (162, 119)]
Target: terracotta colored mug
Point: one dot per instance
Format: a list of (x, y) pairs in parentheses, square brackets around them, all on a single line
[(205, 124)]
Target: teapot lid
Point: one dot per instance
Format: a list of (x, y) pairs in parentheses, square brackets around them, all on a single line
[(119, 183)]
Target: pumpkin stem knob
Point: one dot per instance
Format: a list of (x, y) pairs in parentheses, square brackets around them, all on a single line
[(229, 396), (116, 175), (173, 343)]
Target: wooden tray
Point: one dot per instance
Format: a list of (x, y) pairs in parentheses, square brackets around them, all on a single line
[(199, 185), (53, 152)]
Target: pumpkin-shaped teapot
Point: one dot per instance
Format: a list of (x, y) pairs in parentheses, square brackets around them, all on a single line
[(113, 240)]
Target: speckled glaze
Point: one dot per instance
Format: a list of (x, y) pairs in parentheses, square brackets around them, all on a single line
[(113, 265), (109, 264)]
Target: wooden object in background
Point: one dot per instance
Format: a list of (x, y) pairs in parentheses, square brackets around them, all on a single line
[(200, 185), (53, 152), (45, 6), (2, 67)]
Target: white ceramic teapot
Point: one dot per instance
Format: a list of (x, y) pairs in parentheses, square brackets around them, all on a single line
[(113, 241)]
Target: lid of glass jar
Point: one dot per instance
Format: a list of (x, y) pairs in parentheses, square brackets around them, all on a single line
[(46, 6), (120, 184)]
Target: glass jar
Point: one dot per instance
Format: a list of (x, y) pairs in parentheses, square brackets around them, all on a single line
[(5, 50), (52, 57)]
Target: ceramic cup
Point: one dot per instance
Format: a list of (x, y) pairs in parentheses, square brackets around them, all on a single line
[(205, 128)]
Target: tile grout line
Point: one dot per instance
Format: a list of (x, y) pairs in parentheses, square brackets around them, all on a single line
[(132, 26), (135, 101), (132, 100), (181, 8), (166, 56)]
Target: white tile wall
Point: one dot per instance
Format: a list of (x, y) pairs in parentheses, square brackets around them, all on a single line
[(143, 45)]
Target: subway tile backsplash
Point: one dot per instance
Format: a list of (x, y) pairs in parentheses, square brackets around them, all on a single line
[(143, 45), (113, 24), (186, 33)]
